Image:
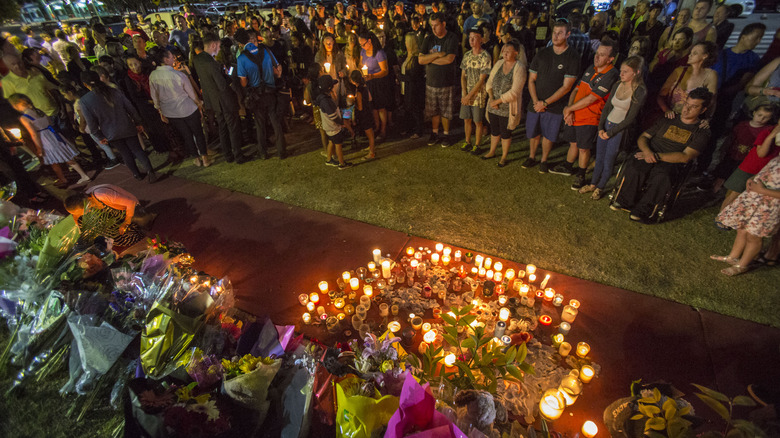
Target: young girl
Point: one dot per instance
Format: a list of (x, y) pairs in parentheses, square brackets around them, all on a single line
[(331, 121), (49, 144), (364, 118)]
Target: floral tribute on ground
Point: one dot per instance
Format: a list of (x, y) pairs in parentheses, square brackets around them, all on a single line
[(437, 343)]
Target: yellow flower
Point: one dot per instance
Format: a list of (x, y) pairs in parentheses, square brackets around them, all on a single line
[(387, 366)]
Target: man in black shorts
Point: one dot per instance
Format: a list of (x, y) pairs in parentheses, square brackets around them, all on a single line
[(552, 74), (664, 150), (438, 55)]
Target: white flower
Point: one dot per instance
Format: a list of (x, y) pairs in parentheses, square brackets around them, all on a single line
[(209, 408)]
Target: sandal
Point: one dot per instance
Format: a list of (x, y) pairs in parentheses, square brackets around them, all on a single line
[(597, 194), (734, 270), (726, 259)]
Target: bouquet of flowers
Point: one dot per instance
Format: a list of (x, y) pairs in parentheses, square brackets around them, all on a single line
[(246, 381)]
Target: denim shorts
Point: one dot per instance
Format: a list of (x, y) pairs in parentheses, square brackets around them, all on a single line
[(475, 113), (546, 124)]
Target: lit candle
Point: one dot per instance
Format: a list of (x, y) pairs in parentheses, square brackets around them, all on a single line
[(446, 251), (574, 303), (416, 323), (364, 70), (549, 293), (323, 287), (16, 132), (503, 314), (377, 255), (194, 279), (478, 260), (474, 270), (346, 276), (583, 349), (327, 67), (341, 316), (354, 283), (426, 327), (410, 251), (569, 313), (586, 373), (339, 303), (544, 282), (418, 255), (564, 349), (502, 299), (497, 276), (557, 340), (545, 320), (524, 290), (349, 309), (413, 264), (531, 278), (371, 266), (394, 326), (307, 318), (314, 297), (303, 299), (530, 269), (310, 306), (430, 336), (489, 274), (449, 360), (435, 258), (482, 272), (386, 269), (564, 328), (551, 404), (439, 247), (445, 260), (557, 300), (488, 262), (368, 290), (589, 429), (510, 274), (458, 255)]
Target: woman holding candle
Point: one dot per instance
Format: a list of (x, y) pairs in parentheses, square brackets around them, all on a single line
[(334, 61), (505, 97), (377, 79)]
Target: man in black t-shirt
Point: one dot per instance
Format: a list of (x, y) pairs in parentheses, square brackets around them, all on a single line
[(551, 77), (437, 54), (664, 150)]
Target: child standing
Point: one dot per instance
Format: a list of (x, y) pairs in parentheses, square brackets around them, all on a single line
[(364, 118), (50, 145), (766, 148), (331, 121)]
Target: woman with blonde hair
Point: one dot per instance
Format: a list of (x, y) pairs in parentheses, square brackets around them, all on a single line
[(413, 85)]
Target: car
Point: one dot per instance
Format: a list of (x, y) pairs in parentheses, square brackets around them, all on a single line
[(740, 8), (566, 8)]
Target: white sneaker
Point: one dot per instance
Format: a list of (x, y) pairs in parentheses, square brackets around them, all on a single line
[(84, 179)]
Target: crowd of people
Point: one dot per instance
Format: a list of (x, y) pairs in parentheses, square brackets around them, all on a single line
[(652, 78)]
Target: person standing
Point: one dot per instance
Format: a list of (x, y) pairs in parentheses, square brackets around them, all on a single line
[(32, 84), (180, 37), (702, 31), (652, 27), (582, 115), (552, 75), (723, 27), (220, 98), (438, 55), (475, 69)]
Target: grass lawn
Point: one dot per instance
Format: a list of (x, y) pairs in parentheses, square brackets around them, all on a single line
[(519, 214)]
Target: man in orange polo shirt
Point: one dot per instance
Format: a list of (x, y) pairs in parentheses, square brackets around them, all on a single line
[(581, 117)]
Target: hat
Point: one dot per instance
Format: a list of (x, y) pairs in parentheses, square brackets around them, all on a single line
[(326, 82)]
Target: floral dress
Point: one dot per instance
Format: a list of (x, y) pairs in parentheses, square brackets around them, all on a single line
[(758, 214)]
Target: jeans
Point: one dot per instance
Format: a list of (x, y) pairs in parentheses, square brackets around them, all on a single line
[(656, 179), (266, 111), (606, 151), (191, 132), (130, 150), (104, 147)]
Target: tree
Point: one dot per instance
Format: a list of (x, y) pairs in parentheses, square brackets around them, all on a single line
[(9, 10)]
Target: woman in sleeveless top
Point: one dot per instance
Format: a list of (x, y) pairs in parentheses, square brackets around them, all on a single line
[(684, 79), (702, 30)]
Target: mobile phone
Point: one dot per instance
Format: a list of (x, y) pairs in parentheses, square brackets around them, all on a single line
[(230, 71)]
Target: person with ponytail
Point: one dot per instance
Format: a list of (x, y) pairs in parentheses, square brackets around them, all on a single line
[(113, 119)]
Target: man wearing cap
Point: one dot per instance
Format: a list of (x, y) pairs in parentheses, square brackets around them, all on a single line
[(477, 15), (438, 53), (475, 69)]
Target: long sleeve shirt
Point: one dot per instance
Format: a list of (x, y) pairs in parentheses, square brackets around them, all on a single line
[(172, 92), (111, 122)]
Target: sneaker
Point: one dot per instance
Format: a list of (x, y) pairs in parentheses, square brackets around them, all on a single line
[(332, 162), (433, 139), (585, 189), (83, 180), (579, 182), (467, 147), (544, 167), (475, 150), (615, 206), (111, 164), (562, 169), (368, 157), (346, 165), (530, 162), (635, 218), (446, 141), (324, 154), (597, 194)]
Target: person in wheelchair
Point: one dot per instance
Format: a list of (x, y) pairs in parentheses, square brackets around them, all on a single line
[(664, 150)]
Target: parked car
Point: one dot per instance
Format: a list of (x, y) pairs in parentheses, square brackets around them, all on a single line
[(741, 8)]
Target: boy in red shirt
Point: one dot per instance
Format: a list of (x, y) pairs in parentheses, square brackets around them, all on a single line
[(766, 148)]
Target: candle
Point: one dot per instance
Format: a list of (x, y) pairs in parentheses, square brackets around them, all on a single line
[(323, 287), (505, 339), (446, 251), (354, 283), (439, 247), (413, 264), (571, 387), (498, 266), (574, 303), (430, 336), (489, 274), (327, 67), (502, 299), (497, 276), (445, 259), (583, 349), (549, 293), (436, 312), (364, 70), (458, 255), (545, 320), (510, 274), (500, 330), (314, 297), (544, 282), (349, 309), (586, 373), (394, 326), (524, 290), (386, 269), (339, 303), (569, 313), (589, 429), (488, 262), (368, 290), (557, 340), (410, 251), (557, 300), (320, 310), (478, 260), (503, 314), (307, 318), (416, 322), (303, 299), (531, 278), (435, 258), (551, 404), (449, 360), (310, 306), (482, 272), (564, 328), (341, 316), (564, 349), (474, 270), (426, 327), (346, 276), (356, 322), (371, 266), (384, 309), (530, 269), (418, 255)]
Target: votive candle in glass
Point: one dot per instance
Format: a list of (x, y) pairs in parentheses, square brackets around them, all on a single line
[(551, 405), (386, 269), (564, 328), (489, 274), (303, 299), (323, 285), (497, 276), (530, 269), (586, 373), (482, 272), (377, 255), (557, 340), (449, 360), (500, 329), (446, 251), (430, 336), (583, 349), (394, 326), (339, 303), (478, 260), (426, 327), (502, 299), (371, 266), (488, 263), (314, 297), (531, 278), (445, 260), (349, 309), (368, 290), (307, 318), (504, 314), (458, 255), (346, 275), (569, 313), (310, 306), (341, 316), (435, 258), (524, 288), (439, 247), (564, 349), (416, 322), (510, 274), (557, 300), (354, 283), (589, 429), (410, 251), (549, 294)]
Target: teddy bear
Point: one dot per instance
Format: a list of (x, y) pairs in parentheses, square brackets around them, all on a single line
[(479, 409)]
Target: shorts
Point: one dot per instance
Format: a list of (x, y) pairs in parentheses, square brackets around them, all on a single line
[(545, 124), (339, 138), (737, 182), (439, 102), (584, 136), (469, 112), (499, 126)]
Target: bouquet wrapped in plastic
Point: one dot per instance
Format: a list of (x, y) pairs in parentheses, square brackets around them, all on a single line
[(417, 415), (361, 411), (247, 380), (166, 337)]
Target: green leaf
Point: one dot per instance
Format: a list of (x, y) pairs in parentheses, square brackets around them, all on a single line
[(450, 339), (715, 405), (655, 423), (468, 343), (450, 330), (712, 393), (466, 309), (448, 319), (464, 369), (649, 410), (522, 352), (435, 352), (515, 371), (466, 320), (743, 400), (678, 428), (526, 367), (638, 417), (510, 355)]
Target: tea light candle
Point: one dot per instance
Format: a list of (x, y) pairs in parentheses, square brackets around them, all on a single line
[(510, 274), (544, 282), (524, 290), (310, 306), (307, 318), (564, 328), (530, 269), (386, 269), (435, 258), (430, 336), (341, 316), (394, 326), (505, 339), (439, 247), (497, 276), (410, 251), (368, 290), (589, 429), (445, 260), (446, 251), (503, 314), (489, 274), (545, 320), (426, 327), (482, 272), (583, 349), (377, 255), (564, 349), (303, 299), (478, 260), (339, 303), (413, 264), (551, 404), (475, 270), (371, 266), (574, 303), (354, 283), (323, 285), (314, 297), (586, 373), (502, 299), (346, 276), (418, 255), (488, 262), (384, 309), (458, 255), (500, 329), (569, 313), (531, 278), (449, 360), (557, 340), (416, 322), (549, 293), (557, 300)]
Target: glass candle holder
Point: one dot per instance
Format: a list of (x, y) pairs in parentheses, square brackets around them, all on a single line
[(583, 349), (332, 324), (557, 300), (377, 255), (417, 323), (446, 251), (323, 285), (586, 373), (502, 299), (549, 294), (346, 275), (394, 309), (371, 266), (303, 299), (394, 326), (349, 309), (435, 258), (384, 309), (356, 322), (354, 283), (386, 269), (339, 303), (564, 328), (307, 318), (361, 311), (569, 313), (445, 260), (365, 301), (314, 297), (498, 266), (504, 314), (530, 269), (368, 290), (488, 263), (458, 255), (478, 259), (589, 429), (551, 405)]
